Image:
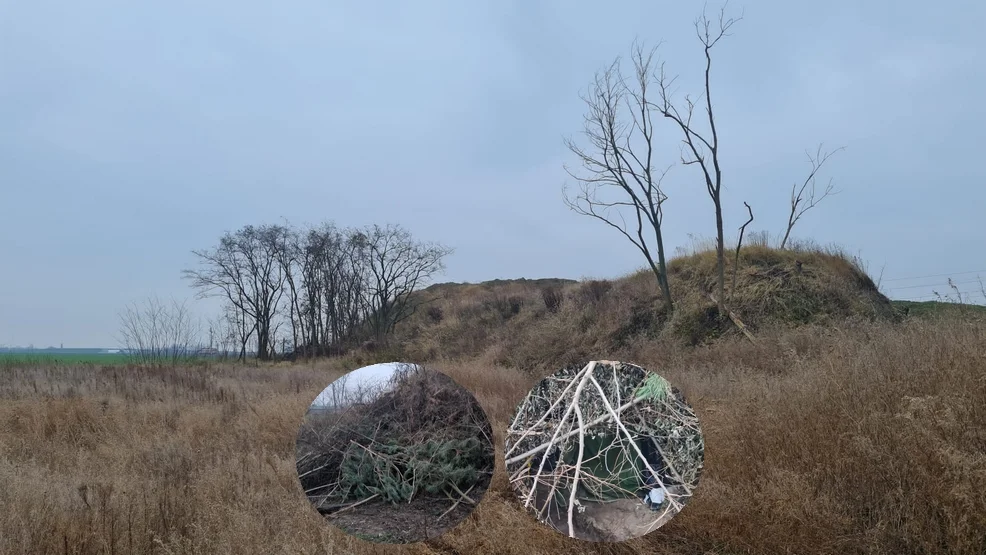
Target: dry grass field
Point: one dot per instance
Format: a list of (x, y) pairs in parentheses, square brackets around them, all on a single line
[(866, 440), (837, 435)]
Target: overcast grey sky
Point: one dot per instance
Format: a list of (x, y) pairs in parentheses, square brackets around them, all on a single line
[(372, 377), (133, 132)]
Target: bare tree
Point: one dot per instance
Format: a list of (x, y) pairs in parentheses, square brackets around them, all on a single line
[(335, 394), (315, 248), (245, 269), (332, 268), (155, 332), (621, 161), (288, 251), (396, 265), (241, 328), (346, 271), (806, 197), (698, 148)]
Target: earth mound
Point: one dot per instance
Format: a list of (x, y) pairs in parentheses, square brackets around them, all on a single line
[(540, 324)]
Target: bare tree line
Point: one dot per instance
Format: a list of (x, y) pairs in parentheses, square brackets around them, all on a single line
[(321, 288)]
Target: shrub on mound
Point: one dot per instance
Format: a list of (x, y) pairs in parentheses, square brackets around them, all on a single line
[(801, 285)]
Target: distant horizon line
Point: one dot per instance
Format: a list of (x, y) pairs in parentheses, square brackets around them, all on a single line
[(5, 348)]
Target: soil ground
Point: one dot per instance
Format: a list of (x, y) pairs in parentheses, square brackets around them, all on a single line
[(618, 520), (380, 521)]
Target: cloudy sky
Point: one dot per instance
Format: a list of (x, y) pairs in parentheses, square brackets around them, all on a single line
[(133, 132), (372, 377)]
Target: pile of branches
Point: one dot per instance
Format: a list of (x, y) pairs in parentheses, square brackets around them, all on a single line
[(425, 436), (581, 434)]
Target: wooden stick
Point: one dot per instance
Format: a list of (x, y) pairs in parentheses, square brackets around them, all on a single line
[(736, 320), (464, 496), (457, 501), (356, 504)]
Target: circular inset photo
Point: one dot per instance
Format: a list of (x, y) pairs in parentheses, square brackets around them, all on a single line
[(604, 452), (395, 453)]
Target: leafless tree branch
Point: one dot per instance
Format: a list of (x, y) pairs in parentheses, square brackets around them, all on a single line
[(806, 196), (739, 244), (701, 149), (619, 160)]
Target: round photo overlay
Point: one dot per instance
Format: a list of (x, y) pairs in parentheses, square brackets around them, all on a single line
[(395, 453), (606, 451)]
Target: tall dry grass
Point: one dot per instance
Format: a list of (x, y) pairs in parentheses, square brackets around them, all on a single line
[(869, 439)]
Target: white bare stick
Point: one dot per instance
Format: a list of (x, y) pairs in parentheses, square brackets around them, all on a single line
[(457, 501), (517, 416), (567, 435), (609, 407), (677, 476), (324, 466), (465, 497), (585, 372), (357, 504), (578, 470), (558, 401), (616, 380), (543, 417)]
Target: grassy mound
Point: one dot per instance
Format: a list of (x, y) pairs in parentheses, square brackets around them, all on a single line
[(773, 287), (551, 323)]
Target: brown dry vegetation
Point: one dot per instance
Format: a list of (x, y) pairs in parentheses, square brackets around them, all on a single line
[(862, 437), (428, 430), (518, 323)]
